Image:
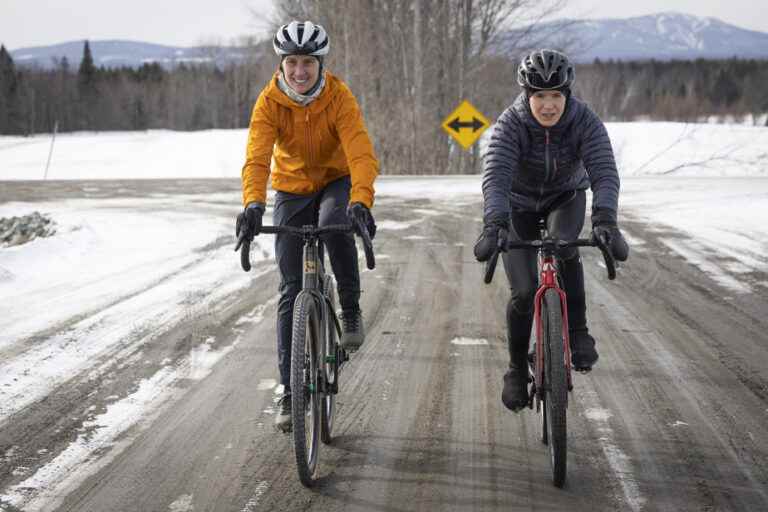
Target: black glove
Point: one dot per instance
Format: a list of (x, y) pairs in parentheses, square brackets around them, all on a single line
[(493, 235), (249, 221), (358, 213), (605, 228)]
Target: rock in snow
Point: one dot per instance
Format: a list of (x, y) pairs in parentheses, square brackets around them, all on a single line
[(20, 230)]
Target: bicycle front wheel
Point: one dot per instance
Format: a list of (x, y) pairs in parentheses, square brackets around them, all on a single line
[(305, 405), (556, 386)]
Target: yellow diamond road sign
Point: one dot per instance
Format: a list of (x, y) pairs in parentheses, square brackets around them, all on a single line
[(465, 124)]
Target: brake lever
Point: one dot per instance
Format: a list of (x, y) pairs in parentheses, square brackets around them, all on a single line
[(610, 261)]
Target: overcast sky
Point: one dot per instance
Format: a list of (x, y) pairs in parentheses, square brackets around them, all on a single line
[(189, 22)]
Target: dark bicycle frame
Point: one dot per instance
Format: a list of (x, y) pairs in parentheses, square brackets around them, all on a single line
[(321, 376), (313, 261)]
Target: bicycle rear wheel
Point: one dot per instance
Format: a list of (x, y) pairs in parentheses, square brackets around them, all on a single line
[(330, 366), (556, 386), (305, 405)]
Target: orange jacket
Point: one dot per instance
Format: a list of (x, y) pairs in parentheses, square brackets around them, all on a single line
[(311, 145)]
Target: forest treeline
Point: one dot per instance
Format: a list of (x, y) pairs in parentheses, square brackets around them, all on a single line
[(688, 91), (84, 97), (409, 63)]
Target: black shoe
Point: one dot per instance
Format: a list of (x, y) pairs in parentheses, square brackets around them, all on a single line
[(583, 353), (283, 419), (353, 334), (515, 393)]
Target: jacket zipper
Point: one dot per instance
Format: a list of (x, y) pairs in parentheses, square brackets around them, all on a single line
[(546, 168), (309, 142), (546, 155)]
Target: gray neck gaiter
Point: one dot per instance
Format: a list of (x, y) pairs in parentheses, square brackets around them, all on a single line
[(301, 99)]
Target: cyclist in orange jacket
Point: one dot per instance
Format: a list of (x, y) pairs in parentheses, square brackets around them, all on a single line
[(308, 126)]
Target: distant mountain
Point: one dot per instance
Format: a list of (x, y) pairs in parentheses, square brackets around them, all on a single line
[(663, 36), (113, 54)]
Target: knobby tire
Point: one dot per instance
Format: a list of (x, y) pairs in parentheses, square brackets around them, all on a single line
[(556, 385), (304, 387)]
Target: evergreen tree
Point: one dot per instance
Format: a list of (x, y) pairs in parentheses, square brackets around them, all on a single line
[(9, 94), (87, 72), (87, 89), (7, 71), (725, 90)]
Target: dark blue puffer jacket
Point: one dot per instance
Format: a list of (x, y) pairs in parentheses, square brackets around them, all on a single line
[(528, 166)]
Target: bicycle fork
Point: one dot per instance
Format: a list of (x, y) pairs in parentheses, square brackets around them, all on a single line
[(548, 281)]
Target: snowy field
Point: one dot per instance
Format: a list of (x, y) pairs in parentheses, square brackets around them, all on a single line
[(121, 263), (642, 149)]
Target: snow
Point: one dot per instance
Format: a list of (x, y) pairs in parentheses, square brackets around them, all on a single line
[(469, 341), (619, 461), (695, 150), (723, 221), (118, 265), (77, 459), (132, 155)]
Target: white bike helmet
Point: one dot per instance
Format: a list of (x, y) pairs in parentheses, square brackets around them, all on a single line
[(298, 38)]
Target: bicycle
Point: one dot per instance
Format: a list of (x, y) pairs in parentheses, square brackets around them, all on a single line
[(550, 366), (316, 354)]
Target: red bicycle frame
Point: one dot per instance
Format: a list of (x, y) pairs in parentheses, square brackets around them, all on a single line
[(548, 280), (547, 249)]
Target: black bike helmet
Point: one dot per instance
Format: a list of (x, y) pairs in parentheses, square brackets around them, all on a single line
[(543, 70)]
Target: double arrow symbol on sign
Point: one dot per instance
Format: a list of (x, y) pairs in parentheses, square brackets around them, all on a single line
[(457, 125)]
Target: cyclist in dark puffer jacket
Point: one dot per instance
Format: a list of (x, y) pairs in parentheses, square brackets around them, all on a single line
[(547, 148)]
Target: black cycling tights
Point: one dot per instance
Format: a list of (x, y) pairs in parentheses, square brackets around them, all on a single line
[(564, 220)]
